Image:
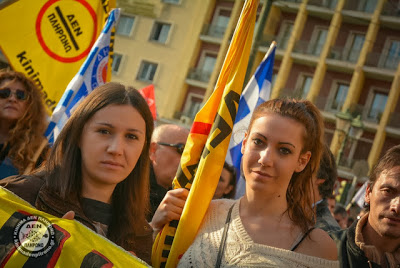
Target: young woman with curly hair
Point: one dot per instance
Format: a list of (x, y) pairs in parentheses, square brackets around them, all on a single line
[(22, 123)]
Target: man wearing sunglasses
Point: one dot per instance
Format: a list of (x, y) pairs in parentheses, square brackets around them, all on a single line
[(166, 148)]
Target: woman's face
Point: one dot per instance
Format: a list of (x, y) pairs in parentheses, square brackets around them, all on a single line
[(12, 108), (272, 153), (111, 144), (223, 186)]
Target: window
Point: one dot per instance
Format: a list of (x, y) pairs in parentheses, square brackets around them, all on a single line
[(193, 104), (393, 55), (220, 22), (125, 25), (318, 41), (147, 71), (171, 1), (366, 5), (160, 32), (206, 65), (116, 64), (339, 97), (355, 46), (284, 34), (377, 107), (305, 86)]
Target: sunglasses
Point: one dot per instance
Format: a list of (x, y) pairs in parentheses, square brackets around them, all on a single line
[(179, 146), (5, 93)]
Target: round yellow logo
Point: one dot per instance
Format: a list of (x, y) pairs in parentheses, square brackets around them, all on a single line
[(66, 29)]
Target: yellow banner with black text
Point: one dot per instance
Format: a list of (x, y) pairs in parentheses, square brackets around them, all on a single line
[(48, 40), (32, 238)]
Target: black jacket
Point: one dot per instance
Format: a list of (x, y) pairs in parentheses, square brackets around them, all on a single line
[(349, 254), (325, 220)]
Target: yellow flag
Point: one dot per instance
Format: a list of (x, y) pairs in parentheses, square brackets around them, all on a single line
[(48, 40), (204, 155), (32, 238)]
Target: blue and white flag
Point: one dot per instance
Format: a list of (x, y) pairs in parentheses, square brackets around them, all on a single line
[(92, 74), (257, 91)]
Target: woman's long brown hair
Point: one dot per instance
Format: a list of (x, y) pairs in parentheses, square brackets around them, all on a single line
[(130, 198), (299, 194)]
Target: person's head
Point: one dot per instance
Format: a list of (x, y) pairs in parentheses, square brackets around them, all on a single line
[(341, 216), (281, 153), (331, 203), (167, 144), (106, 143), (227, 183), (383, 195), (326, 176), (23, 113)]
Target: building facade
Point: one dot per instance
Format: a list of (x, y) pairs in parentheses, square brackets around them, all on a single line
[(342, 55)]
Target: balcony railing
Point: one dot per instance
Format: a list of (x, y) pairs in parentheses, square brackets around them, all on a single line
[(331, 4), (213, 30), (391, 8), (199, 75), (306, 47), (374, 59), (344, 54), (367, 6)]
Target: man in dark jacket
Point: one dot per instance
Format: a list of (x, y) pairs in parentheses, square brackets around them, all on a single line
[(323, 188), (167, 144), (374, 241)]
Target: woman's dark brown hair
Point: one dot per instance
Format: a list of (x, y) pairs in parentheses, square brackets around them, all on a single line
[(299, 193), (131, 196), (26, 136)]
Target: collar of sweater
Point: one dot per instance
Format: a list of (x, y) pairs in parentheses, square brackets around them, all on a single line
[(370, 251)]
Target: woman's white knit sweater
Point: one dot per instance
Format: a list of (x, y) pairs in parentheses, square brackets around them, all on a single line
[(240, 250)]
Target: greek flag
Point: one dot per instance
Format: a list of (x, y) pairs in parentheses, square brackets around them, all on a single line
[(257, 91), (92, 74)]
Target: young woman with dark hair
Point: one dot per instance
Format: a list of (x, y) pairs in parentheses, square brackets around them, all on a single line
[(99, 168)]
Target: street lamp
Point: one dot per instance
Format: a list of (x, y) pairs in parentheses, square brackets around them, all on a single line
[(351, 127)]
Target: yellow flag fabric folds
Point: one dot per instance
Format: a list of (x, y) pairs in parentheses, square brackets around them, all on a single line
[(48, 40), (32, 238), (204, 155)]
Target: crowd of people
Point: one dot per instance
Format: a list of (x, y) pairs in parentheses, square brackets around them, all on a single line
[(110, 171)]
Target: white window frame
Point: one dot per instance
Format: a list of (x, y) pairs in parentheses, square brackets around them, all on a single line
[(177, 2), (151, 39), (349, 45), (314, 37), (300, 83), (141, 66), (203, 55), (332, 94), (385, 51), (285, 24), (217, 11), (120, 63), (133, 26), (189, 103), (370, 99)]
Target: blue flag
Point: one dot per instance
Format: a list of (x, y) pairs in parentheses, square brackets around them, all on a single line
[(257, 91), (92, 74)]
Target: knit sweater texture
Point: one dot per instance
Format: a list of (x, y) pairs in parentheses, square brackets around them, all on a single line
[(240, 250)]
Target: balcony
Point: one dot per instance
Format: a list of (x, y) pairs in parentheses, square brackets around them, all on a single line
[(367, 6), (344, 54), (391, 9), (199, 75), (375, 59), (306, 47), (331, 4), (213, 31)]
